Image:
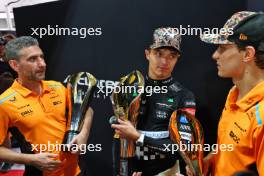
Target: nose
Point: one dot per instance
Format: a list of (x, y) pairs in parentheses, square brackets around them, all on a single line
[(215, 55), (41, 62), (165, 60)]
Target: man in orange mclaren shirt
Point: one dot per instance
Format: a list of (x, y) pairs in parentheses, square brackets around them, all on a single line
[(240, 56), (34, 111)]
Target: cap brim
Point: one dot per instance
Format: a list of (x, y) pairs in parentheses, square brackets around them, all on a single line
[(214, 39), (153, 46)]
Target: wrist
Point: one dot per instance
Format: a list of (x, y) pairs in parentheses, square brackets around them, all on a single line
[(137, 136), (29, 159), (84, 135), (140, 140), (209, 158)]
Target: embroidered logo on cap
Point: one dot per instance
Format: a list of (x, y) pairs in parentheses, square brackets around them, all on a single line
[(243, 37)]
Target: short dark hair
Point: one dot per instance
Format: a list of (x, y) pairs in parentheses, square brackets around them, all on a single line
[(13, 47), (259, 55)]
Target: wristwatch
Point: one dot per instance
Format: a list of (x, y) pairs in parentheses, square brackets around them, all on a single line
[(140, 140)]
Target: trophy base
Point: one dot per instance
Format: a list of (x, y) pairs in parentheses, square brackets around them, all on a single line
[(69, 135), (126, 166)]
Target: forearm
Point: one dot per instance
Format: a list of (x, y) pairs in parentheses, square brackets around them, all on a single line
[(10, 156)]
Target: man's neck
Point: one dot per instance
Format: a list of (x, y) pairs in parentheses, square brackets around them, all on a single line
[(34, 86), (248, 82)]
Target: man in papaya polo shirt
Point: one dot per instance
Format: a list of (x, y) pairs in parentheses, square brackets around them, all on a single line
[(34, 111), (240, 56)]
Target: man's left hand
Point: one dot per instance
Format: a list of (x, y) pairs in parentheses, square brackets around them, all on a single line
[(78, 143)]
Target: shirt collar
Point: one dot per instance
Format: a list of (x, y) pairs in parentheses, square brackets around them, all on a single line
[(255, 95), (25, 91)]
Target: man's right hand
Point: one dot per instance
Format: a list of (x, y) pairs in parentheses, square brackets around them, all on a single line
[(207, 164), (46, 161)]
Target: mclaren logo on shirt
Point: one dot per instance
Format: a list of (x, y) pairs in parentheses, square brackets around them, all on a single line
[(27, 112), (56, 103), (13, 99)]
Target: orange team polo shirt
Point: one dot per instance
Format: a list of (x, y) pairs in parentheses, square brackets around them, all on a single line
[(40, 119), (241, 124)]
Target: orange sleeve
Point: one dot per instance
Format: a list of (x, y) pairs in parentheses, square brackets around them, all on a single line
[(259, 148), (4, 125)]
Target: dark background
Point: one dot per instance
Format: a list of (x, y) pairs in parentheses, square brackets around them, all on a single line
[(127, 28)]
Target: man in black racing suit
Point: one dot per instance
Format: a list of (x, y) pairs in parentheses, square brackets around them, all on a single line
[(152, 138), (153, 123)]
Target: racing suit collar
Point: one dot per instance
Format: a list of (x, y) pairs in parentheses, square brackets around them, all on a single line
[(167, 81)]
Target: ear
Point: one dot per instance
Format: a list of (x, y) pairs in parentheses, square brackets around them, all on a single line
[(147, 53), (13, 64), (249, 54)]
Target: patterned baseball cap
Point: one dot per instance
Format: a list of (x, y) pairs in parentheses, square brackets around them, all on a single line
[(167, 36), (250, 32), (230, 25)]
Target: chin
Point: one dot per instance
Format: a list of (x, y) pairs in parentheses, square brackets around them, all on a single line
[(222, 75), (40, 78)]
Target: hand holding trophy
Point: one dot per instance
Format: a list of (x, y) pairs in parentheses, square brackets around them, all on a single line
[(126, 102)]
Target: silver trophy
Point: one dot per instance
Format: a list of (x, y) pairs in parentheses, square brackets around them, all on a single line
[(79, 99), (126, 103)]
